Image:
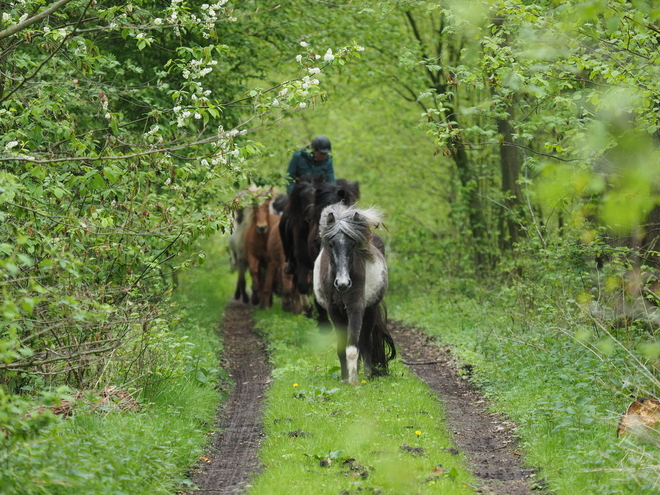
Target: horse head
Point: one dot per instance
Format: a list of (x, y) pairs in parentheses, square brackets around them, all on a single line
[(261, 209), (346, 234)]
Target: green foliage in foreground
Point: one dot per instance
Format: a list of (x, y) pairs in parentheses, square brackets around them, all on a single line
[(148, 452), (315, 424)]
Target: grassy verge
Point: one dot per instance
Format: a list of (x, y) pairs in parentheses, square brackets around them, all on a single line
[(325, 437), (148, 452), (565, 394)]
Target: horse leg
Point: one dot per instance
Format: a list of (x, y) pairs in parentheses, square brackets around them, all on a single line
[(253, 264), (367, 341), (269, 283), (352, 343), (322, 319), (287, 245), (341, 352), (241, 291)]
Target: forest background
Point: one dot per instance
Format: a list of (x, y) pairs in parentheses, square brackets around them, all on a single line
[(513, 146)]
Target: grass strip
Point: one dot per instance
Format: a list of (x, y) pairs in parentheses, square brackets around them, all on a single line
[(322, 436)]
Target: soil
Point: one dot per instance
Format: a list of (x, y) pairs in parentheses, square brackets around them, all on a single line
[(232, 459), (486, 439)]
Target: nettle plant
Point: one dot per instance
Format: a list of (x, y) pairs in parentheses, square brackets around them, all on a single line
[(124, 135)]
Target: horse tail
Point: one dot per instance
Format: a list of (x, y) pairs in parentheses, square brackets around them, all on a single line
[(382, 344)]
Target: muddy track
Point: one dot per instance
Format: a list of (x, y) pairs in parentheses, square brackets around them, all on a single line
[(232, 458), (485, 439)]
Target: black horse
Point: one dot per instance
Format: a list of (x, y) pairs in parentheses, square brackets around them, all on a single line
[(294, 230)]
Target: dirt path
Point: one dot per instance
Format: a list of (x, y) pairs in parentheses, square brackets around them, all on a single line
[(232, 459), (484, 438)]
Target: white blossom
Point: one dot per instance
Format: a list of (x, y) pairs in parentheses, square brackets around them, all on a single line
[(284, 91), (359, 48), (328, 55), (304, 44), (302, 104), (158, 21), (298, 58), (198, 115), (7, 17), (108, 116), (314, 70), (11, 144)]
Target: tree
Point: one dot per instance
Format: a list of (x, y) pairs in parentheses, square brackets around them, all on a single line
[(124, 134)]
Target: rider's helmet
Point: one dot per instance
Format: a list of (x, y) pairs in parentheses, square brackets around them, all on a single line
[(322, 144)]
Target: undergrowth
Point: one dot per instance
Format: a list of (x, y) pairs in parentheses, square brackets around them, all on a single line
[(550, 353), (111, 451), (326, 437)]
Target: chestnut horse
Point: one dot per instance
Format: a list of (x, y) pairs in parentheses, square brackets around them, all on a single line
[(277, 280), (255, 245)]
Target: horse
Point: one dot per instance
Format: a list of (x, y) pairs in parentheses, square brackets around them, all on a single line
[(350, 281), (277, 280), (294, 229), (326, 194), (242, 218), (255, 245)]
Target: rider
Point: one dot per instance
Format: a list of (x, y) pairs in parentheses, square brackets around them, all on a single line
[(313, 159)]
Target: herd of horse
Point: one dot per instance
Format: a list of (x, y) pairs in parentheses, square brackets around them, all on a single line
[(318, 252)]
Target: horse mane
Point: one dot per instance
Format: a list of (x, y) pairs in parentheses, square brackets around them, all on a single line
[(352, 222), (294, 208)]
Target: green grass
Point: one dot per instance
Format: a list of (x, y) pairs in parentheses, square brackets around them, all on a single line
[(149, 452), (565, 398), (382, 424)]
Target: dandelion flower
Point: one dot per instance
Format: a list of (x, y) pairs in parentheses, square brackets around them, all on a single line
[(295, 384), (418, 433), (363, 381)]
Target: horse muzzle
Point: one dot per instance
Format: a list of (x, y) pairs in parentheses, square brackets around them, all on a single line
[(343, 284), (262, 229)]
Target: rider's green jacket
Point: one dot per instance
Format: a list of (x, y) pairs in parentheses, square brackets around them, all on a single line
[(303, 162)]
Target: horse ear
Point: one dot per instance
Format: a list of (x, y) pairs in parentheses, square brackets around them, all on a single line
[(357, 217), (331, 218)]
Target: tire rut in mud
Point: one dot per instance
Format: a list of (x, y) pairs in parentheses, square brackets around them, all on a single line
[(486, 439), (232, 459)]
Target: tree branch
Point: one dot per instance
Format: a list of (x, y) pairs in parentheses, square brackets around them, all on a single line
[(27, 22)]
